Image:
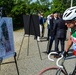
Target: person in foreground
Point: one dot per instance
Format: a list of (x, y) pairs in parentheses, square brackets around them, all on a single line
[(70, 20)]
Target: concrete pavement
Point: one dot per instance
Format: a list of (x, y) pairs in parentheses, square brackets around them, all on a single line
[(31, 64)]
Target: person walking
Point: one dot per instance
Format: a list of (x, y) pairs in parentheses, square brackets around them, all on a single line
[(59, 30)]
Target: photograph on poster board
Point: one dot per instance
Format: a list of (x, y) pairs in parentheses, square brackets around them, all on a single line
[(6, 38)]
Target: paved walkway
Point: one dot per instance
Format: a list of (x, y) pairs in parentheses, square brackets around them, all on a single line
[(31, 64)]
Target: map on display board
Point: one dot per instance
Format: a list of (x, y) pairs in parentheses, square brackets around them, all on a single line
[(6, 38)]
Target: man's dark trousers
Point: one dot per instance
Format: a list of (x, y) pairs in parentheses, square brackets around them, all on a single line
[(57, 43), (51, 42)]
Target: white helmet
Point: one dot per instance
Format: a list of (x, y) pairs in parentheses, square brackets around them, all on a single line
[(70, 14)]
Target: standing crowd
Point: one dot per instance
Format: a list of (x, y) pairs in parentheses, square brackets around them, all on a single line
[(56, 30)]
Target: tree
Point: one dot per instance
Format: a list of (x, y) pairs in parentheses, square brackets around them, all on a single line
[(8, 5), (74, 2), (60, 5)]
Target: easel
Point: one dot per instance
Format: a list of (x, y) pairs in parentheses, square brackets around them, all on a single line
[(15, 61), (30, 19), (2, 14)]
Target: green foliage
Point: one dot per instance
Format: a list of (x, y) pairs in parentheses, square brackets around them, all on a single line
[(60, 5), (7, 4), (74, 2), (16, 8), (47, 13), (19, 8)]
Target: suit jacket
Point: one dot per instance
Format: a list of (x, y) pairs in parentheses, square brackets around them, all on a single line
[(42, 20), (52, 21), (60, 28)]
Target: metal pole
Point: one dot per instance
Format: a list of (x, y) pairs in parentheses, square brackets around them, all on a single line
[(71, 3)]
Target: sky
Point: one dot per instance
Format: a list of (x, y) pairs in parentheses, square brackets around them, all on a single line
[(35, 0)]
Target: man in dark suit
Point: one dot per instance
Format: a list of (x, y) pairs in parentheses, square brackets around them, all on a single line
[(59, 30), (52, 21)]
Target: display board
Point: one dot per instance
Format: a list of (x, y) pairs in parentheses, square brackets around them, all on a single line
[(6, 38), (31, 24)]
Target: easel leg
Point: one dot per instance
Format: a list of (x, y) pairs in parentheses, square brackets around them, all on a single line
[(35, 34), (20, 47), (0, 66), (28, 45), (48, 45), (39, 50), (16, 64), (0, 62)]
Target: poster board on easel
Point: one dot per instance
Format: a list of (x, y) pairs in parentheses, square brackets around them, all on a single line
[(7, 49), (31, 24), (31, 27), (6, 38)]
